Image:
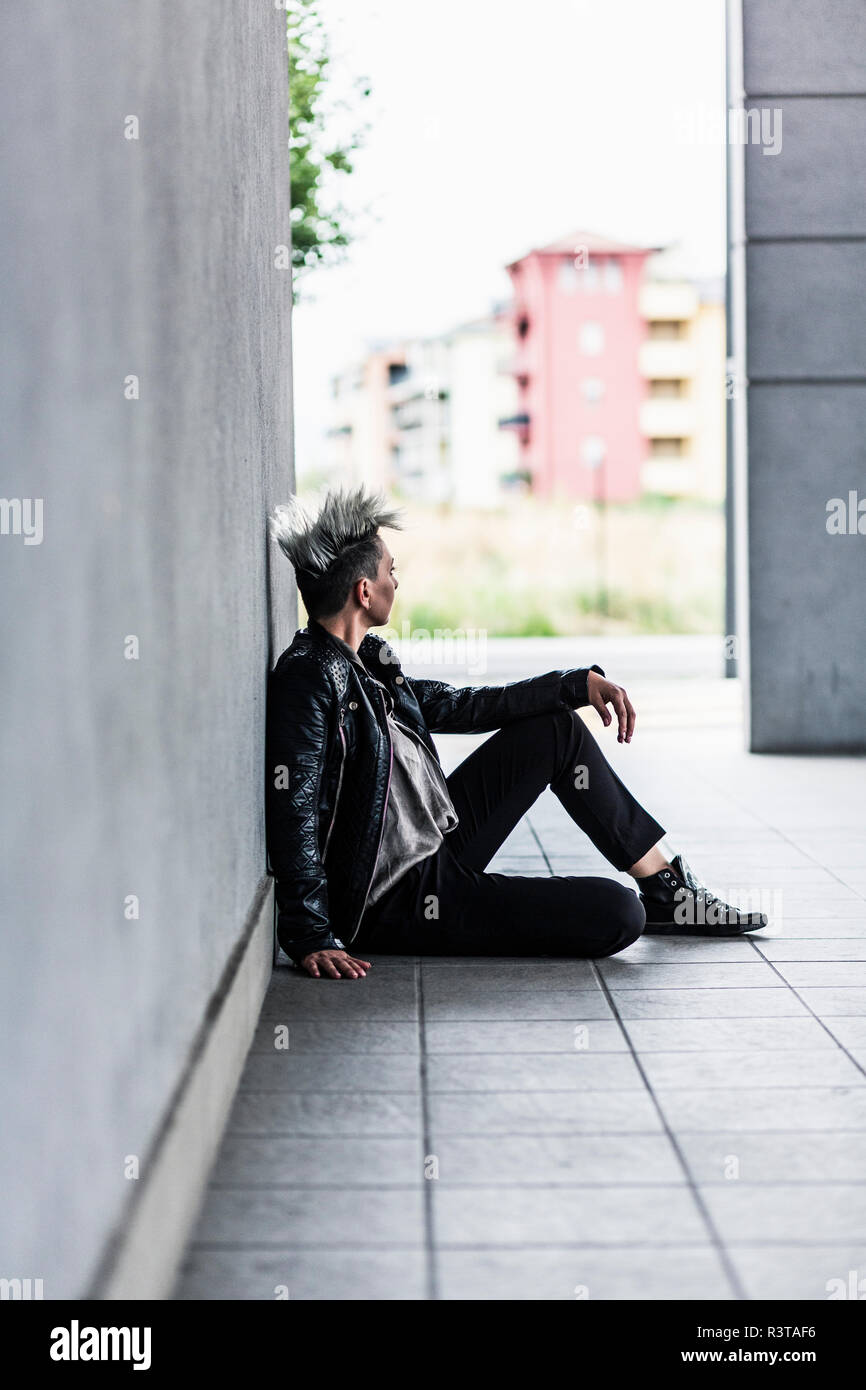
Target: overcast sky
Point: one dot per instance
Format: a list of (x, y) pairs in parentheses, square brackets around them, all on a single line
[(497, 126)]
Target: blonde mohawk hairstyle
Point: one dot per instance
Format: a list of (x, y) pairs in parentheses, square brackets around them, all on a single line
[(345, 519), (332, 551)]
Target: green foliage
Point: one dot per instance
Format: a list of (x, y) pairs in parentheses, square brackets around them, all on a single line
[(525, 571), (500, 619), (319, 234), (587, 612)]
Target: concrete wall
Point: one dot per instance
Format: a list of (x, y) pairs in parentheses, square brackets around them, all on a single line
[(803, 278), (153, 257)]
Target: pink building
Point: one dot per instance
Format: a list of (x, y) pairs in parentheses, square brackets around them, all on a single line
[(578, 330)]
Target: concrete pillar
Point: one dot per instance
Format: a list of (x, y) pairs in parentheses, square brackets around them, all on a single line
[(145, 378), (798, 265)]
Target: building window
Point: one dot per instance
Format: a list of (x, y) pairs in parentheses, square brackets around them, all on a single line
[(592, 389), (612, 276), (592, 451), (588, 272), (591, 339), (568, 274), (666, 448)]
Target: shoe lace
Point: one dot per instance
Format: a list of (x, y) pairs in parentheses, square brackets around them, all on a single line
[(700, 891), (707, 896)]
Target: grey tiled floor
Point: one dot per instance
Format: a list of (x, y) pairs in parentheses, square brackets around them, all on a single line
[(684, 1120)]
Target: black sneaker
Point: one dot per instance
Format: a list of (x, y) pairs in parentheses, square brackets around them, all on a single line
[(676, 904)]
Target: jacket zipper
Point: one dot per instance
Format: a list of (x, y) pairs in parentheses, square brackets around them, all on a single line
[(339, 784), (384, 813)]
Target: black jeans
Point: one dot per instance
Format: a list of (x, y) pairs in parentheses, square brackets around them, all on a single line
[(447, 905)]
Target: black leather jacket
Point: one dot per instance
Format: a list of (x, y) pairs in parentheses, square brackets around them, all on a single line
[(329, 768)]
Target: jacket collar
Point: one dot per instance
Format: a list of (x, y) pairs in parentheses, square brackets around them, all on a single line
[(369, 646)]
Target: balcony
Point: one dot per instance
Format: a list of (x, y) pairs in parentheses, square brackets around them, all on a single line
[(666, 418), (662, 301), (666, 359)]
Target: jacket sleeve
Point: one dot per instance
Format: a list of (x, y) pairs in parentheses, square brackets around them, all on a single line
[(299, 711), (476, 709)]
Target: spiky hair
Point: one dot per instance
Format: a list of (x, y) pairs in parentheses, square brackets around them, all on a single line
[(345, 518)]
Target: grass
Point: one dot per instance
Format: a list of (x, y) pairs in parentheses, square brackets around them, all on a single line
[(532, 568), (535, 568)]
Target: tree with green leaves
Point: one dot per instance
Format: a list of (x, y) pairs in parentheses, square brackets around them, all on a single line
[(320, 231)]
